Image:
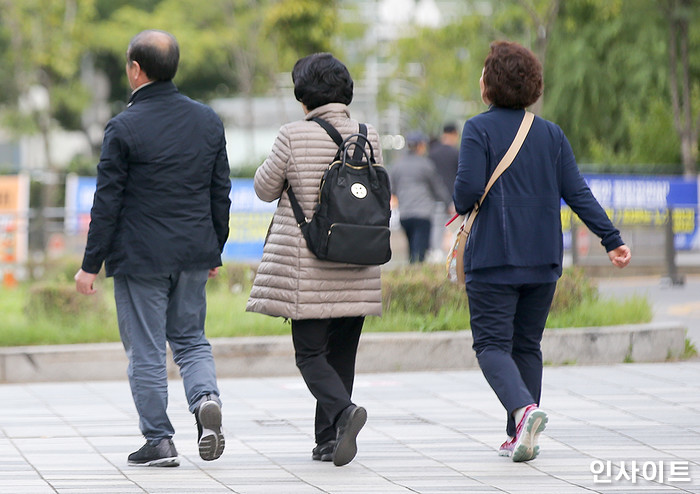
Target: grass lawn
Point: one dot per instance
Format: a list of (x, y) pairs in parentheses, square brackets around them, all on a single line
[(66, 317)]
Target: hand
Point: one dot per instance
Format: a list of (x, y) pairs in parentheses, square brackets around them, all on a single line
[(84, 282), (394, 202), (213, 272), (621, 256)]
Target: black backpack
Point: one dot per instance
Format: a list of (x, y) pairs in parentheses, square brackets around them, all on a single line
[(351, 220)]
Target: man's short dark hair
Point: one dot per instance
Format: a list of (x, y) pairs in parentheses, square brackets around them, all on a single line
[(512, 75), (320, 79), (156, 52), (449, 128)]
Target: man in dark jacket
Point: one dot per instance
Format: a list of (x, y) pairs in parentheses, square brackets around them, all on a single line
[(445, 155), (159, 222)]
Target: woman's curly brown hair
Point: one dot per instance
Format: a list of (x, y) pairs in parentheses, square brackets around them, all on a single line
[(512, 75)]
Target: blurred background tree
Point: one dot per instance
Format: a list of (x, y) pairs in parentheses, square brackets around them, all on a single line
[(683, 72), (607, 85), (607, 70), (43, 44), (620, 77)]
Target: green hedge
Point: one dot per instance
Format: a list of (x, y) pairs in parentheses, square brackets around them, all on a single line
[(416, 298)]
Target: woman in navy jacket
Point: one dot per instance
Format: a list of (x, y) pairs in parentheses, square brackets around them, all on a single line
[(513, 258)]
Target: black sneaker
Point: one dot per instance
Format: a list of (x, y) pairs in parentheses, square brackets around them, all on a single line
[(160, 454), (323, 451), (209, 436), (351, 421)]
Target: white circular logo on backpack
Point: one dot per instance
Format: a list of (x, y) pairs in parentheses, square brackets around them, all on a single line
[(358, 190)]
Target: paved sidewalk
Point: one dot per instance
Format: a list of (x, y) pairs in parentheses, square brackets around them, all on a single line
[(428, 432)]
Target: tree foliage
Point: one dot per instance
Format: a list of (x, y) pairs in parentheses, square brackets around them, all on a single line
[(606, 66), (610, 75), (302, 27), (429, 90), (44, 42), (227, 47), (606, 83)]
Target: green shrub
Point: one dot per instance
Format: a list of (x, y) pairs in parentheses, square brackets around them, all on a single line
[(60, 299), (573, 288), (239, 274), (421, 289), (424, 289), (236, 277), (416, 298), (55, 269)]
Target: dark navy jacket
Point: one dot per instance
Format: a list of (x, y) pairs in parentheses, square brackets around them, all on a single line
[(519, 225), (162, 199)]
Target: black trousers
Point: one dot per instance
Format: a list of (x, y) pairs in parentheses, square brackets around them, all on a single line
[(507, 325), (325, 351)]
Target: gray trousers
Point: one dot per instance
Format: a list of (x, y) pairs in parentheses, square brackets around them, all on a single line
[(153, 309)]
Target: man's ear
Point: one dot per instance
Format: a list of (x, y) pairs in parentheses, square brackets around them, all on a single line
[(136, 68)]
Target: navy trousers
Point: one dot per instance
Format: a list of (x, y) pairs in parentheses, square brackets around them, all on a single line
[(325, 352), (418, 234), (507, 325)]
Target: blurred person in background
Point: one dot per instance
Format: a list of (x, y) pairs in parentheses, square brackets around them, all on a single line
[(445, 154), (513, 257), (159, 222), (417, 188)]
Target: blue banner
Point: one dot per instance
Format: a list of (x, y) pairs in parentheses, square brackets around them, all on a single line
[(250, 217), (629, 201), (644, 201)]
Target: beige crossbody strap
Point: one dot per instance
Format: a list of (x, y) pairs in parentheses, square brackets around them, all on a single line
[(503, 164)]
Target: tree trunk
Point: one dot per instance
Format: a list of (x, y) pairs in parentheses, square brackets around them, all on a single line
[(681, 98), (49, 184), (541, 52), (543, 26)]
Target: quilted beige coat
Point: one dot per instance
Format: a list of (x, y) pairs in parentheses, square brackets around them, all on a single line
[(290, 281)]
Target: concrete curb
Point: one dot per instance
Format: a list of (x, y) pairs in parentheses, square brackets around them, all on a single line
[(379, 352)]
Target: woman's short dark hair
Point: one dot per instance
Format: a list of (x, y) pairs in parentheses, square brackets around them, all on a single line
[(156, 52), (320, 79), (512, 75)]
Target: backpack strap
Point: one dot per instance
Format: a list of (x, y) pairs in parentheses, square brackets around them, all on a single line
[(338, 139), (358, 149), (332, 131), (296, 207)]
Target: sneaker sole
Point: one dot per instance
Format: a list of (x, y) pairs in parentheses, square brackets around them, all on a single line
[(346, 448), (526, 447), (212, 443), (173, 461), (323, 457), (504, 452)]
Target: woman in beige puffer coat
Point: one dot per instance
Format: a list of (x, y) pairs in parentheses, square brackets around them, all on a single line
[(326, 301)]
